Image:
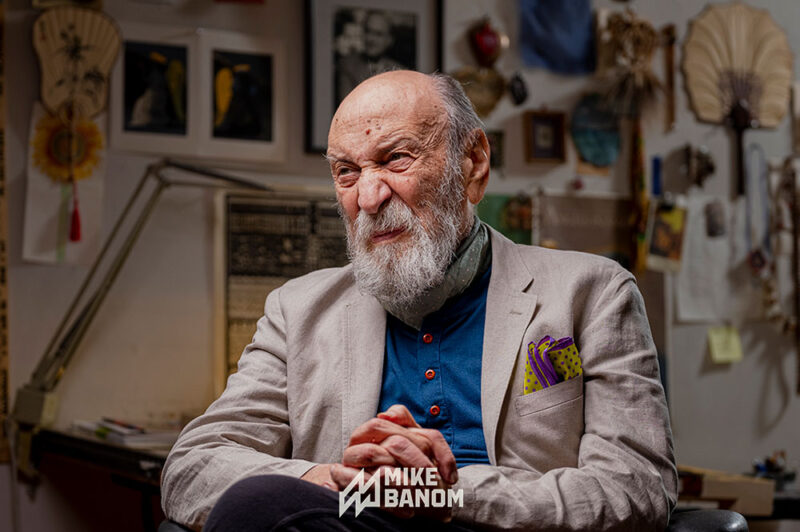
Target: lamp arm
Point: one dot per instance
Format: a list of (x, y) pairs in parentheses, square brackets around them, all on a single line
[(41, 368), (51, 368), (63, 345)]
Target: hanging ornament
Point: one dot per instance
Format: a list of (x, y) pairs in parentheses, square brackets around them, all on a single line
[(76, 48), (738, 68), (487, 43), (631, 88), (484, 85), (66, 152), (595, 131), (518, 89)]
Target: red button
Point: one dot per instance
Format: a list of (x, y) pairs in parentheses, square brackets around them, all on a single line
[(434, 410), (427, 338), (430, 374)]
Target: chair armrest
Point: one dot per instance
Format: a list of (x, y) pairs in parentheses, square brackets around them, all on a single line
[(172, 526), (706, 521)]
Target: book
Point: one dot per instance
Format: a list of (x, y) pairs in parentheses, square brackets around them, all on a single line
[(128, 434)]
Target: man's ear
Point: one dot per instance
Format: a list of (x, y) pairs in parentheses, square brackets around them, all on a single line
[(476, 166)]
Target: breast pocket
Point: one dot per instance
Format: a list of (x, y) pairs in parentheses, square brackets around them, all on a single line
[(549, 397), (544, 428)]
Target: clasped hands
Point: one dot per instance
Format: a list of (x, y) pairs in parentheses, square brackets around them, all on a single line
[(391, 440)]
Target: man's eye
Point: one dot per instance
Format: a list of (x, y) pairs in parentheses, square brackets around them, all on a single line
[(397, 156), (345, 176)]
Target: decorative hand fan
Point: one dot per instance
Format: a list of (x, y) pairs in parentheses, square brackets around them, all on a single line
[(76, 48), (738, 68)]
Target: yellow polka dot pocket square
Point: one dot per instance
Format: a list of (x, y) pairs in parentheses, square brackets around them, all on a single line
[(549, 362)]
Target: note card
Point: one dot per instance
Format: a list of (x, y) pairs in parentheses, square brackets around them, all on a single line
[(724, 344)]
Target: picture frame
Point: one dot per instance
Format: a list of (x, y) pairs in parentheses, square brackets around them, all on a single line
[(497, 147), (545, 137), (349, 40), (147, 52), (261, 240), (251, 126), (231, 107)]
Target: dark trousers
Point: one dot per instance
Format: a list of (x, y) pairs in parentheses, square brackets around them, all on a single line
[(276, 502)]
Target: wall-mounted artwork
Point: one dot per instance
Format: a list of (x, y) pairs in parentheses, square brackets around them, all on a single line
[(263, 240), (545, 137), (154, 88), (199, 93), (349, 40), (497, 147), (150, 97), (244, 97)]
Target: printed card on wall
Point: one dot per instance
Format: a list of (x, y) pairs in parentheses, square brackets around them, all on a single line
[(267, 239), (63, 217), (594, 225)]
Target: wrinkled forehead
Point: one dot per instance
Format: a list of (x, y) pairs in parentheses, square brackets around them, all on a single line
[(415, 107)]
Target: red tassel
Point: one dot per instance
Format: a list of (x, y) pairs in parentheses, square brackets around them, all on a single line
[(75, 225)]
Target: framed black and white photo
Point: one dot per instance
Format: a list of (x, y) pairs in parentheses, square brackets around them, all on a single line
[(349, 40)]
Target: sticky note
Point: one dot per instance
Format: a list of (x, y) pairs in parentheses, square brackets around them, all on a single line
[(724, 344)]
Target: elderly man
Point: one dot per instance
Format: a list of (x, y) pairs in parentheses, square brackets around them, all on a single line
[(416, 356)]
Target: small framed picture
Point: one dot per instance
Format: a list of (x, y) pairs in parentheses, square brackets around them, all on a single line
[(497, 160), (665, 235), (348, 41), (243, 97), (152, 108), (545, 137)]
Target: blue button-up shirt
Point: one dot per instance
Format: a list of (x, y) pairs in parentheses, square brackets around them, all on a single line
[(436, 371)]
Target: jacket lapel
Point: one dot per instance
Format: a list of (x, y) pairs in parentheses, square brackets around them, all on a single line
[(364, 331), (509, 310)]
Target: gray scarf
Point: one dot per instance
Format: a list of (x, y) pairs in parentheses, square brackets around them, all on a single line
[(472, 259)]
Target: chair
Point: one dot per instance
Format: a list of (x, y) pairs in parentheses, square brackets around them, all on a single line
[(680, 521)]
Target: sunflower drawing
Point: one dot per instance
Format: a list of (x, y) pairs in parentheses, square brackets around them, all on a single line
[(64, 153)]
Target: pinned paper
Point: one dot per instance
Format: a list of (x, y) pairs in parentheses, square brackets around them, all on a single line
[(724, 344)]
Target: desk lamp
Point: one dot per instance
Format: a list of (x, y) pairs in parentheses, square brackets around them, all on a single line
[(36, 402)]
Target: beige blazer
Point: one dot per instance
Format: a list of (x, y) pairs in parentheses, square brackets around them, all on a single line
[(593, 453)]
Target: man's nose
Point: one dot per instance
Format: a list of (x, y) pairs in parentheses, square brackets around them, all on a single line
[(373, 192)]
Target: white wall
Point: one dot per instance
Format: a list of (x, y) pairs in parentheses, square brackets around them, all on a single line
[(150, 350), (723, 416)]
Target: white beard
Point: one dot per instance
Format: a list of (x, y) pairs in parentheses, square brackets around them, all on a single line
[(398, 274)]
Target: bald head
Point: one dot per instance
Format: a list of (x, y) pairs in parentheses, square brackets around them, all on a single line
[(404, 94)]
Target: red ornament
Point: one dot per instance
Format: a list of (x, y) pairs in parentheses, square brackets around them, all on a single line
[(486, 43)]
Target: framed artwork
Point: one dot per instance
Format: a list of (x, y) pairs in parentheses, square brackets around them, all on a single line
[(204, 94), (349, 40), (243, 97), (151, 104), (261, 241), (593, 225), (665, 235), (496, 145), (545, 137)]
